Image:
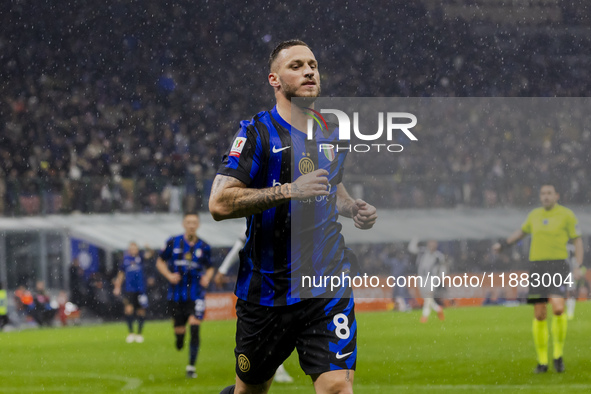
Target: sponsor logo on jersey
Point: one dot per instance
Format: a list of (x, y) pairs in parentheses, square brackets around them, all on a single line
[(277, 150), (340, 356), (186, 263)]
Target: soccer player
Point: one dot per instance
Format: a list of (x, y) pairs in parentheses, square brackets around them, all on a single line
[(429, 262), (221, 277), (135, 300), (257, 180), (185, 262), (551, 227)]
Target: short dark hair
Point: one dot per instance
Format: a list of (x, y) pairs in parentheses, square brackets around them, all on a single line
[(189, 213), (284, 45), (550, 182)]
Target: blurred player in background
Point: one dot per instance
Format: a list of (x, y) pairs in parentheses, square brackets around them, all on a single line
[(398, 262), (430, 262), (185, 262), (135, 300), (551, 227), (257, 180), (221, 277)]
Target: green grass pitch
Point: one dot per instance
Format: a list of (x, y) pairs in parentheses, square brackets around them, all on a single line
[(474, 350)]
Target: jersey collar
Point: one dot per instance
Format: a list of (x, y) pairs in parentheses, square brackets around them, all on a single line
[(282, 121)]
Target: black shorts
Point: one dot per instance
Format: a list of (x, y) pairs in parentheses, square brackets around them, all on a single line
[(323, 330), (546, 279), (180, 311), (138, 300)]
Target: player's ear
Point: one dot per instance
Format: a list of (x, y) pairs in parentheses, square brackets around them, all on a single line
[(274, 80)]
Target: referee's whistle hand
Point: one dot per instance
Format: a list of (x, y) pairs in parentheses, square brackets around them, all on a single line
[(577, 273)]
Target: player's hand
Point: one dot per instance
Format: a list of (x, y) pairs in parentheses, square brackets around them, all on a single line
[(577, 273), (497, 247), (364, 215), (117, 291), (220, 279), (312, 184), (204, 282), (174, 278)]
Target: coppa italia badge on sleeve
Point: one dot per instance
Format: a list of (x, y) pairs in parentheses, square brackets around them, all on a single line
[(237, 146)]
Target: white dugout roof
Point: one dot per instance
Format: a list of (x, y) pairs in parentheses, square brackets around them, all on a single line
[(114, 232)]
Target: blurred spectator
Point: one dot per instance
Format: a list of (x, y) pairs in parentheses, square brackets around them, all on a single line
[(43, 312), (101, 300), (399, 265), (24, 302), (138, 122), (78, 288)]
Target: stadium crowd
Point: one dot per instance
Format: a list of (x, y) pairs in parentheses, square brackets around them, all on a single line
[(105, 112)]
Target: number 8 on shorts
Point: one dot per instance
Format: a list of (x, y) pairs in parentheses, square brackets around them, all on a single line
[(342, 326)]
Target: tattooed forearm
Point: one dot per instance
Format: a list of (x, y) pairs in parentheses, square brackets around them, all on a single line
[(246, 202), (345, 202), (231, 199)]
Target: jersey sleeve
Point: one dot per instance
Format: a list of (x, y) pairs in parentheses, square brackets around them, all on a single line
[(526, 226), (166, 253), (572, 226), (242, 160)]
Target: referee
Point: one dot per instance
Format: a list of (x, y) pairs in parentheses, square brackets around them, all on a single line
[(551, 227)]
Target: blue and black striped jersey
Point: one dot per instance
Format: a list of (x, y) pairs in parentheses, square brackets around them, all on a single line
[(190, 262), (299, 237), (133, 268)]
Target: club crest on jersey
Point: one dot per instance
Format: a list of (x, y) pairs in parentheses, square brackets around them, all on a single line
[(306, 165), (328, 151), (188, 256), (237, 146)]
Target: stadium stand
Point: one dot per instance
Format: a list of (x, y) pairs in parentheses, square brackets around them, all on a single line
[(139, 130)]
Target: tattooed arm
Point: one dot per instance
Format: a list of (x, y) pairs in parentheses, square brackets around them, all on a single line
[(231, 198), (345, 203)]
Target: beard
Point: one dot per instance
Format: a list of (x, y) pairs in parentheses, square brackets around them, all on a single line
[(306, 99)]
